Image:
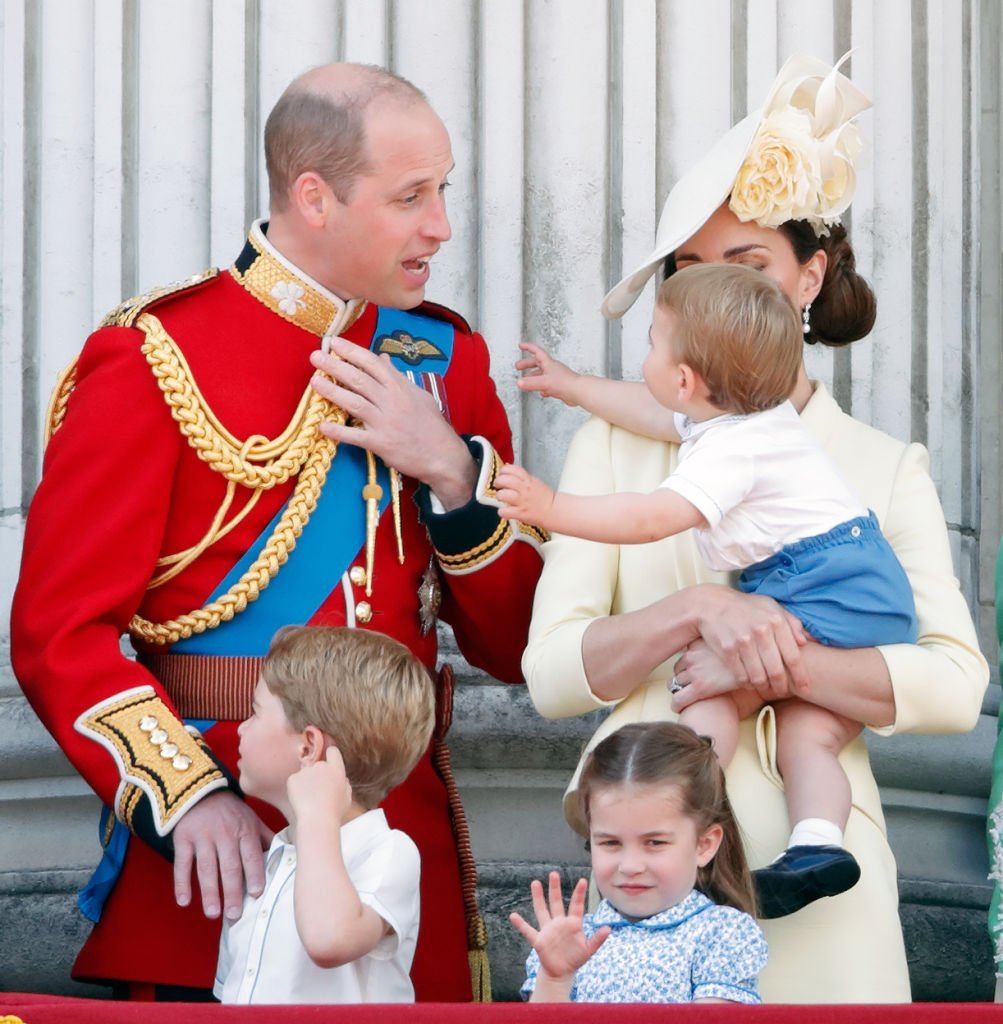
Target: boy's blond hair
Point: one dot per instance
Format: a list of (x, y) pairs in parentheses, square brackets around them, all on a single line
[(737, 329), (369, 693)]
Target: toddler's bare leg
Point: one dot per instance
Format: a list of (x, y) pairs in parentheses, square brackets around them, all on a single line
[(716, 717), (815, 864), (809, 741)]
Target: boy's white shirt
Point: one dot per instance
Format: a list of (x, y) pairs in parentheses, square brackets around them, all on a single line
[(761, 481), (261, 956)]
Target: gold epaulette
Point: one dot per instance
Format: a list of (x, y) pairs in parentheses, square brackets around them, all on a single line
[(123, 315)]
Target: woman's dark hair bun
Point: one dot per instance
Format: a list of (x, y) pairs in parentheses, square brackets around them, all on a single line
[(845, 307)]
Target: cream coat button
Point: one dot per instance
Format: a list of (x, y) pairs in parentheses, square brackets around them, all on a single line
[(363, 612), (357, 574)]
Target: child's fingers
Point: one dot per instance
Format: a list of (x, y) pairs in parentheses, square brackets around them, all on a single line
[(533, 349), (534, 382), (539, 903), (555, 895), (524, 928), (598, 939), (576, 905)]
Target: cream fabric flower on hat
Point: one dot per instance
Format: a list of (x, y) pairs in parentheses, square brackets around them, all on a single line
[(781, 178), (792, 159), (800, 165)]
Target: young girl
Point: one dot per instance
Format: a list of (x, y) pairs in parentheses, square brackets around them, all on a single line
[(674, 924), (764, 498)]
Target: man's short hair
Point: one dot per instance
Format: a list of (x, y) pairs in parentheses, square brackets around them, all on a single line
[(369, 693), (737, 329), (311, 130)]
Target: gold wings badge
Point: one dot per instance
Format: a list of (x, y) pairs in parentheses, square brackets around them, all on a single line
[(412, 350)]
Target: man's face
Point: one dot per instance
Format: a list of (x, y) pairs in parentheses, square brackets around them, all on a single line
[(379, 243)]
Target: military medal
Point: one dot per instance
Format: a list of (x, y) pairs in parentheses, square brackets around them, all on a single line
[(429, 598)]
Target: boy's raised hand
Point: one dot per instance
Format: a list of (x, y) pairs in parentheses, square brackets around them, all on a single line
[(523, 496), (542, 372), (319, 788), (560, 941)]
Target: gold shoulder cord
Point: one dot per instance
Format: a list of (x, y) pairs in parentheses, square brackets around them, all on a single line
[(257, 463)]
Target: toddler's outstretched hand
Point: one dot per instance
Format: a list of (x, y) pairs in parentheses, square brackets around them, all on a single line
[(560, 941), (523, 496), (543, 373)]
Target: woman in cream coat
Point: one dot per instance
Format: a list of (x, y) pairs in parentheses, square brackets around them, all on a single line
[(609, 621)]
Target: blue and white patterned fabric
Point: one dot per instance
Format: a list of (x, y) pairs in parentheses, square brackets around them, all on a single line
[(694, 950)]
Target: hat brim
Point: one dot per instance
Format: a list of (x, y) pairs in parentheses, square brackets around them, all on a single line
[(689, 206)]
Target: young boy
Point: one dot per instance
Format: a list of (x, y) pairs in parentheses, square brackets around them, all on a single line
[(764, 498), (340, 717)]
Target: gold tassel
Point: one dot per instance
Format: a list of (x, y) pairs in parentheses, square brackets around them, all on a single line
[(477, 957), (371, 494), (395, 497)]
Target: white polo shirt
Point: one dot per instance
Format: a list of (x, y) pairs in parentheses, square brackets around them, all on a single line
[(761, 481), (261, 957)]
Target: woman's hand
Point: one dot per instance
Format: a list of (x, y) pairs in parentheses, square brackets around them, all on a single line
[(757, 641), (560, 941), (543, 373), (702, 674)]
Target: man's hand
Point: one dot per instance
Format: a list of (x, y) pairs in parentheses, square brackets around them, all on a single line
[(523, 496), (401, 423), (224, 839)]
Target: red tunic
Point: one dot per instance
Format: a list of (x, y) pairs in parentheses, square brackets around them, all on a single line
[(121, 487)]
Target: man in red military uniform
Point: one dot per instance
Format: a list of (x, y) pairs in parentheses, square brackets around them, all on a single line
[(269, 444)]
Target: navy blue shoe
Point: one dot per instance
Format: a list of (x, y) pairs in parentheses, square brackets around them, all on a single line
[(801, 875)]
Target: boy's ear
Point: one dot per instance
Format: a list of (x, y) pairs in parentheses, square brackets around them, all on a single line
[(313, 746), (688, 381)]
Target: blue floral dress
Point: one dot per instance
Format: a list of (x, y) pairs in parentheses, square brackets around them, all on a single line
[(694, 950)]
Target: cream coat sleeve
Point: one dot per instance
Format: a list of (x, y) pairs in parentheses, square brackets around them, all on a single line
[(939, 682)]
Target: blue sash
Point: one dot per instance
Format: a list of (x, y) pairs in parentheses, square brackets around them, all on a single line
[(333, 537), (336, 531)]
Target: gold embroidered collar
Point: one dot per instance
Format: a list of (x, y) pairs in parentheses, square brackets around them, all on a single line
[(288, 292)]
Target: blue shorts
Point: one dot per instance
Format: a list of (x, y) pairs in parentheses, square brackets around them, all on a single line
[(846, 586)]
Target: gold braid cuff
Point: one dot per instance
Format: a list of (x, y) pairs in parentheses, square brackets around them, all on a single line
[(157, 757)]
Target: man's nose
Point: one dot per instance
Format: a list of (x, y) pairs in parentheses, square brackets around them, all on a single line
[(437, 224)]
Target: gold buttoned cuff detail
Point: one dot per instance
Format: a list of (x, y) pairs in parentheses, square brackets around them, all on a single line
[(156, 756)]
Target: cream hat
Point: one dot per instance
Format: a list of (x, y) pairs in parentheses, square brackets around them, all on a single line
[(790, 160)]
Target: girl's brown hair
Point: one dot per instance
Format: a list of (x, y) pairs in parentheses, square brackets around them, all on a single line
[(670, 754)]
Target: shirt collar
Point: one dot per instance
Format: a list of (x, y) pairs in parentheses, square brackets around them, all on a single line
[(689, 430), (695, 903), (287, 291), (358, 828)]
